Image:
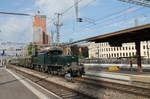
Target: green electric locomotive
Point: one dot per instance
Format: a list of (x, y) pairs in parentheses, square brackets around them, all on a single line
[(54, 62)]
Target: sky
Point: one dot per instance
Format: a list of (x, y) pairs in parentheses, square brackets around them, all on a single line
[(99, 17)]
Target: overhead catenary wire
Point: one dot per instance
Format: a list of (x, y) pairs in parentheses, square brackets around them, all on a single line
[(58, 24), (115, 15), (88, 4), (92, 26), (118, 23), (22, 14), (145, 3), (110, 17), (70, 7), (76, 3)]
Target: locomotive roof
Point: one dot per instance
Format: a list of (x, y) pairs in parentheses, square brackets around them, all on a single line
[(50, 50), (55, 49)]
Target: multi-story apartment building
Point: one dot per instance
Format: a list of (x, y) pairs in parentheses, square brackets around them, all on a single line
[(104, 50)]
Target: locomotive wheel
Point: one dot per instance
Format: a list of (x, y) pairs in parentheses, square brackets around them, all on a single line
[(52, 72), (32, 66), (43, 69), (59, 72), (37, 67), (49, 70), (56, 72), (40, 68)]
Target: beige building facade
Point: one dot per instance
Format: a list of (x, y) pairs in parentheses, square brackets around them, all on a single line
[(103, 50)]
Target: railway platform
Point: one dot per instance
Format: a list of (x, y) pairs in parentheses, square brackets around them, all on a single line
[(14, 86), (95, 89), (117, 73), (127, 77)]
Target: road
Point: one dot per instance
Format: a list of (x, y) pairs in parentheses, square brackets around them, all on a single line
[(15, 86)]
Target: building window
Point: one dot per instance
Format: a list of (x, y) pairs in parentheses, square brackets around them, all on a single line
[(107, 55), (117, 54), (120, 48), (129, 54), (126, 48), (123, 54), (117, 48), (143, 46), (132, 53), (120, 54), (144, 53), (126, 54), (114, 54)]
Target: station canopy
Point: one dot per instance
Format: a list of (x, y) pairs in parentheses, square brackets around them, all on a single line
[(138, 33)]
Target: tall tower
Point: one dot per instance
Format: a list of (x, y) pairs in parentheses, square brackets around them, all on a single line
[(40, 35)]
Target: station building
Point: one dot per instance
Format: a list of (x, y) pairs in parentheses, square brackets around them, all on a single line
[(104, 50)]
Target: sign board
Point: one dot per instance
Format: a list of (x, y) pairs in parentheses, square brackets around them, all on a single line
[(2, 54)]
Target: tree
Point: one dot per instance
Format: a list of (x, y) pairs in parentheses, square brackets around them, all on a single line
[(84, 51), (75, 50), (32, 49)]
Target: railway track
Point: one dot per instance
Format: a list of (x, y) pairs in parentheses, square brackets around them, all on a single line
[(131, 89), (67, 93), (59, 90)]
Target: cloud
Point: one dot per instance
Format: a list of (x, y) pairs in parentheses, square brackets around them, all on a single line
[(19, 29), (16, 29), (120, 24), (50, 7)]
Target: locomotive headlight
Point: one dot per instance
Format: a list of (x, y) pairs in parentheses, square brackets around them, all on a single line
[(68, 64)]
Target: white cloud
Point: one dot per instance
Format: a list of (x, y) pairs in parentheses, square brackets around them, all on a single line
[(16, 29), (50, 7), (19, 29)]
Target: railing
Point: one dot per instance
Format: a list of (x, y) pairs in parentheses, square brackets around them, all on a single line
[(114, 61)]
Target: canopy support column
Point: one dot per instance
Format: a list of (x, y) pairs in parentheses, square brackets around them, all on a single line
[(138, 54)]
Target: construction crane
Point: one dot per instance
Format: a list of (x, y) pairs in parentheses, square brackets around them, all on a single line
[(145, 3)]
